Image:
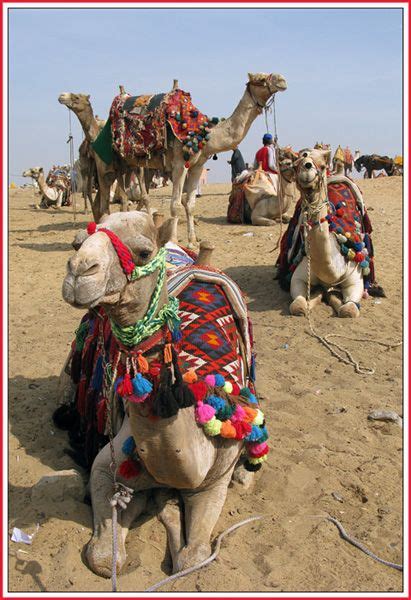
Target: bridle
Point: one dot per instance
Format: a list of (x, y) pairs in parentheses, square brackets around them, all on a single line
[(266, 84)]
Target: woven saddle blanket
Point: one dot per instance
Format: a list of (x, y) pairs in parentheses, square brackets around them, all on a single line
[(348, 221), (137, 124)]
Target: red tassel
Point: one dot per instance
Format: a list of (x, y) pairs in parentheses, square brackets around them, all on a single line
[(126, 387), (129, 468), (199, 389), (155, 369), (91, 228)]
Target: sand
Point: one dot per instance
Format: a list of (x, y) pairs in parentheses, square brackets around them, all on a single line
[(321, 440)]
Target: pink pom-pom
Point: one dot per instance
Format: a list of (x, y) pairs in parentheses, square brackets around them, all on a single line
[(204, 413), (258, 449), (210, 380), (91, 228), (137, 399), (238, 415)]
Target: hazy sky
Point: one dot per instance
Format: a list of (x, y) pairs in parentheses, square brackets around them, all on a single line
[(343, 68)]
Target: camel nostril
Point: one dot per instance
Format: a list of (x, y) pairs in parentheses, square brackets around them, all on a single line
[(308, 165)]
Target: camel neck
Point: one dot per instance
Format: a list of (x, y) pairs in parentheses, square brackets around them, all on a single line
[(88, 123), (229, 133)]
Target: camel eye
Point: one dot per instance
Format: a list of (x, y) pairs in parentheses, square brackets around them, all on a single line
[(144, 254), (305, 154)]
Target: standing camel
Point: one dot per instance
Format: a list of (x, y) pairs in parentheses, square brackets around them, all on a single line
[(226, 135), (80, 104)]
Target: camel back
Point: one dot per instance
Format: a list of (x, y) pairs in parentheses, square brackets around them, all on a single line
[(137, 126)]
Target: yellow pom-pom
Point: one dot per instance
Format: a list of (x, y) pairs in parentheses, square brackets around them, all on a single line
[(212, 427), (228, 387), (257, 461), (259, 419), (347, 234), (350, 254)]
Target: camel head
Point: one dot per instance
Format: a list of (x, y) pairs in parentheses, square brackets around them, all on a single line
[(34, 172), (76, 102), (358, 163), (311, 169), (262, 86), (286, 160), (95, 274)]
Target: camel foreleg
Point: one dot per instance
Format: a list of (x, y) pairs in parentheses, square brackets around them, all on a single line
[(170, 515), (202, 510), (193, 178), (179, 173), (352, 290), (141, 176), (298, 290)]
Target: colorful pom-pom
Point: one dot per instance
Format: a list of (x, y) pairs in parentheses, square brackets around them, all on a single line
[(257, 461), (259, 419), (129, 468), (238, 415), (155, 369), (137, 399), (250, 414), (199, 389), (242, 429), (219, 380), (366, 271), (255, 434), (204, 413), (190, 376), (350, 254), (257, 450), (226, 412), (359, 257), (228, 430), (228, 387), (245, 392), (216, 402), (129, 446), (213, 427), (210, 380), (91, 228)]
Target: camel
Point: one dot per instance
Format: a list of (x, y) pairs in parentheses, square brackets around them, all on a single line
[(50, 195), (264, 199), (374, 162), (175, 453), (80, 104), (226, 135), (329, 267)]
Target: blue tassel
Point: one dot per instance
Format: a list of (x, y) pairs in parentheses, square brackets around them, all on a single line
[(129, 446), (141, 385), (245, 392), (97, 382), (216, 402), (117, 383), (219, 380)]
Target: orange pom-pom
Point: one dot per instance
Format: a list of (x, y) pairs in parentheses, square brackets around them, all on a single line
[(228, 430), (251, 414), (190, 376)]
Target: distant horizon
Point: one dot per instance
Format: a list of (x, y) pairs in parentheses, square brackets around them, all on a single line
[(338, 93)]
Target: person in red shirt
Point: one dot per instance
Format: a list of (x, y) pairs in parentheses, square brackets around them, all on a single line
[(266, 155)]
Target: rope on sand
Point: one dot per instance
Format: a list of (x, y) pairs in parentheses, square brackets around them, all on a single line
[(207, 560)]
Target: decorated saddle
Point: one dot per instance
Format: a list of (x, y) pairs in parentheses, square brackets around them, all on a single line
[(348, 221), (137, 126), (210, 356)]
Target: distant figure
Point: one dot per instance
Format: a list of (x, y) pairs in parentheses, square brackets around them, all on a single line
[(348, 161), (202, 181), (266, 155), (357, 155), (237, 164)]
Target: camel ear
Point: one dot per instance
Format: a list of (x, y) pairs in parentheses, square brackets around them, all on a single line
[(88, 96), (167, 232), (41, 169), (79, 238)]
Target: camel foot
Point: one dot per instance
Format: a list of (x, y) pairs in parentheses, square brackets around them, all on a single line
[(99, 555), (190, 556), (349, 310), (298, 308), (243, 477)]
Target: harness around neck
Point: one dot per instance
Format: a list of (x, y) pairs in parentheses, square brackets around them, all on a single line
[(131, 335)]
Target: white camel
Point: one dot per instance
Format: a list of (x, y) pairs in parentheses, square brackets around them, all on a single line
[(50, 195)]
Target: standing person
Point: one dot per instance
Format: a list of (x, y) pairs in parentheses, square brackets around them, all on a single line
[(237, 163), (348, 161), (202, 181), (266, 155)]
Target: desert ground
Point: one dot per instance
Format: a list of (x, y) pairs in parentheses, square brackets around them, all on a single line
[(326, 456)]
